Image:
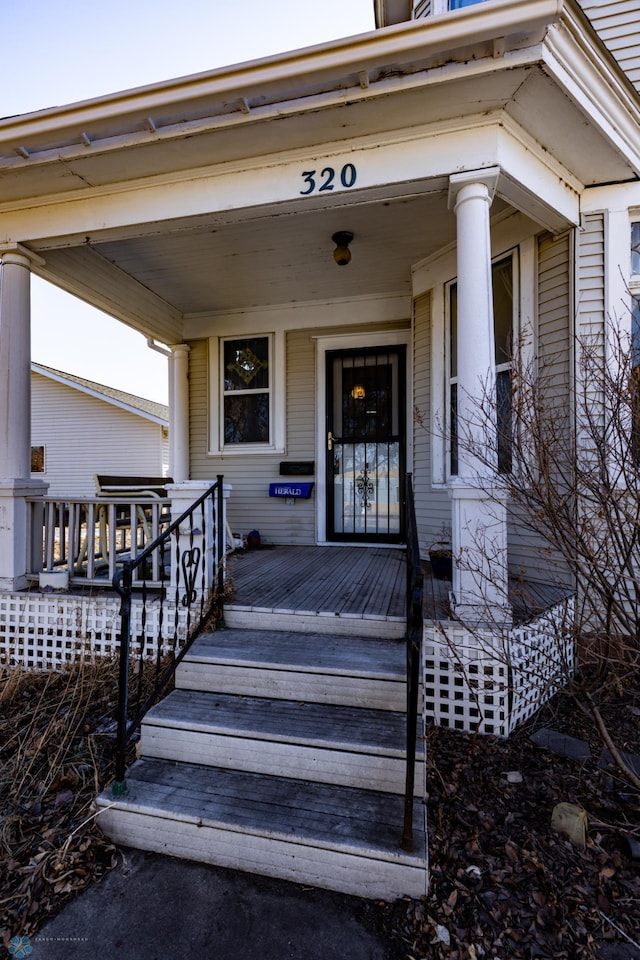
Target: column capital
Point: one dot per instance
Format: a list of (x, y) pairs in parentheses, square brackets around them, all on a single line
[(179, 348), (487, 178), (21, 256)]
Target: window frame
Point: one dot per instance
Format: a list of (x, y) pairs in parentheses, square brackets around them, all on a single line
[(444, 6), (634, 266), (634, 311), (39, 446), (451, 380), (276, 389)]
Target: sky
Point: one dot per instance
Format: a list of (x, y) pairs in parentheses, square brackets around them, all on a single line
[(56, 52)]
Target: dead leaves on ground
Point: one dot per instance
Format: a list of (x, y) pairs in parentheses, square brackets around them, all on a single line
[(503, 884), (55, 756)]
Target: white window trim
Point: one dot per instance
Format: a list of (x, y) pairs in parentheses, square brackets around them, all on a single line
[(634, 278), (277, 382)]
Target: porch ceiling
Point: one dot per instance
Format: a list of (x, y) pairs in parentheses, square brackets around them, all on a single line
[(279, 258)]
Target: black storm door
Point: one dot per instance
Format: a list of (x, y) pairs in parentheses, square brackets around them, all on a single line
[(366, 444)]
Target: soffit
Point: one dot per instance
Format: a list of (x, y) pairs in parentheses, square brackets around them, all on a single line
[(524, 92), (280, 259)]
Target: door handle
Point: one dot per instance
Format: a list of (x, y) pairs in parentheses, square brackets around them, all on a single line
[(329, 441)]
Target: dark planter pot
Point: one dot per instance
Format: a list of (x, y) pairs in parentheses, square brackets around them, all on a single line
[(441, 564)]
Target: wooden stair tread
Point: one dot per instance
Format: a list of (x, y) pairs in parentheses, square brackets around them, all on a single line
[(319, 653), (333, 817), (305, 723)]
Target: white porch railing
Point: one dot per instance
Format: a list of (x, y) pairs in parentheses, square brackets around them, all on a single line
[(90, 538)]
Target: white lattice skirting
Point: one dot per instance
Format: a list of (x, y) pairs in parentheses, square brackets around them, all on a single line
[(484, 681), (47, 631)]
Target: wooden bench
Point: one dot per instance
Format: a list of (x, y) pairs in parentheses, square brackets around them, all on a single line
[(113, 485)]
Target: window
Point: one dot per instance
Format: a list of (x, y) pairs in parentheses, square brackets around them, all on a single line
[(635, 249), (37, 459), (246, 377), (634, 385), (442, 6), (503, 324), (247, 389)]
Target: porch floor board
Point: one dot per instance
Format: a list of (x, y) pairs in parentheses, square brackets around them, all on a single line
[(345, 581), (357, 582)]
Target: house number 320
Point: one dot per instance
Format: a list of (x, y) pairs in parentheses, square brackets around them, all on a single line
[(326, 179)]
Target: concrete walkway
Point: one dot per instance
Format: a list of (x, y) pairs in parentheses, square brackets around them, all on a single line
[(159, 908)]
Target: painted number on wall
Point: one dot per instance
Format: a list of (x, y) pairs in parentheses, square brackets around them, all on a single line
[(328, 179)]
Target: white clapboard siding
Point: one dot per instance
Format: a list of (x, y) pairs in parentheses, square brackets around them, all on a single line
[(618, 24), (84, 434), (433, 506), (590, 310), (527, 550), (250, 507)]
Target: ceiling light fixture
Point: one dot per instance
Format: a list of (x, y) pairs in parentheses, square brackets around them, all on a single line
[(342, 254)]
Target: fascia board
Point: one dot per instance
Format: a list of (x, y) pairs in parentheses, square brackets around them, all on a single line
[(574, 60), (394, 45)]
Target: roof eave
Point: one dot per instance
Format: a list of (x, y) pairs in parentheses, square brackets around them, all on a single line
[(396, 44)]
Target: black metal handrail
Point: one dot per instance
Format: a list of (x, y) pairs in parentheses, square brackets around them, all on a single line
[(197, 586), (415, 590)]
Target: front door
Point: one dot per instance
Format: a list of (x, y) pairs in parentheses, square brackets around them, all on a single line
[(366, 444)]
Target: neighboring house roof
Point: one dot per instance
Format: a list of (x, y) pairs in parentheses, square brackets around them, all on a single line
[(148, 409)]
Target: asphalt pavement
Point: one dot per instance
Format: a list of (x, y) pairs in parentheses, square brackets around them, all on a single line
[(158, 908)]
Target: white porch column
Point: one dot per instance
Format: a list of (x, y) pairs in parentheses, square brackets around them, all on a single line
[(479, 519), (179, 412), (15, 416)]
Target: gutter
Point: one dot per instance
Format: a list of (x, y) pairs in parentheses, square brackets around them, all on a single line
[(309, 69)]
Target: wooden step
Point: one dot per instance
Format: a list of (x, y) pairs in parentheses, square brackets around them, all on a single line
[(335, 837), (308, 741), (354, 671), (320, 622)]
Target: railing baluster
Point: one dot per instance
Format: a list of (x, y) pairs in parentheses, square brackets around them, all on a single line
[(91, 541), (93, 535)]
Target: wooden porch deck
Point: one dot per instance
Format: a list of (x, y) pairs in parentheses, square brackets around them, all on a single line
[(365, 582), (349, 581)]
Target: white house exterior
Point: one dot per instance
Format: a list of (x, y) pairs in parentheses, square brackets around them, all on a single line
[(80, 428), (482, 166)]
